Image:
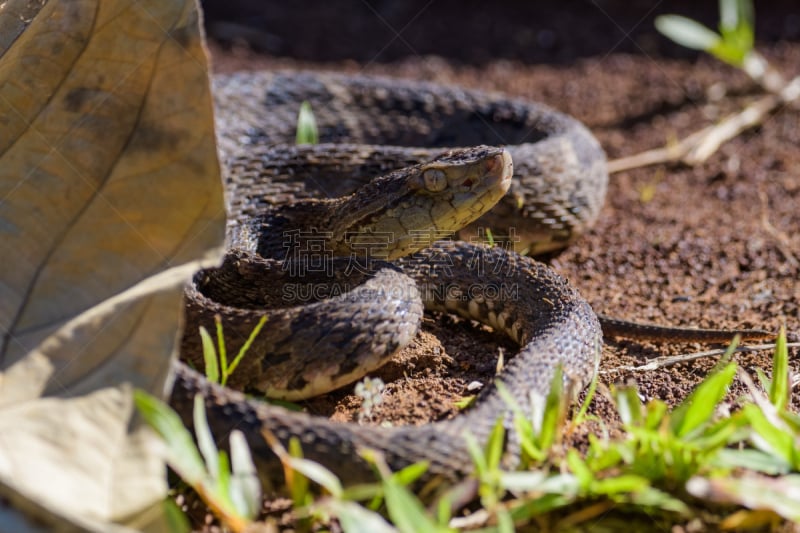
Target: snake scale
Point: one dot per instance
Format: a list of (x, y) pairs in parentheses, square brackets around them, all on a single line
[(389, 160)]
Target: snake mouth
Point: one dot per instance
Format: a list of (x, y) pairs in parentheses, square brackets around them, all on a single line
[(499, 170), (487, 171), (483, 183), (481, 167)]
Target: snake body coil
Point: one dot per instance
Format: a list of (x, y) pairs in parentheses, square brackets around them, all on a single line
[(278, 212)]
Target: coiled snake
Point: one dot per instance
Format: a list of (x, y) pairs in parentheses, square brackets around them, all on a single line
[(290, 247)]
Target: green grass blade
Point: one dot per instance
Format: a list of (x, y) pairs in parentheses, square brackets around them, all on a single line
[(687, 32), (729, 14), (550, 419), (780, 389), (628, 405), (768, 438), (356, 519), (654, 498), (362, 492), (477, 455), (222, 486), (737, 23), (298, 488), (209, 356), (727, 357), (405, 510), (730, 51), (792, 420), (698, 408), (318, 474), (183, 455), (176, 520), (763, 379), (228, 370), (780, 495), (620, 484), (464, 402), (245, 490), (580, 417), (523, 481), (747, 458), (529, 441), (578, 467), (505, 524), (604, 454), (531, 453), (719, 434), (411, 473), (527, 509), (307, 132), (495, 444), (222, 353), (655, 412), (443, 510), (489, 237), (205, 440), (289, 406)]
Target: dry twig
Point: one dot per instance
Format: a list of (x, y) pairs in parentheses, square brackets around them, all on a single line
[(662, 362), (699, 146)]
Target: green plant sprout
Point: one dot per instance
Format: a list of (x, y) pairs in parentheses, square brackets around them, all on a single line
[(406, 512), (307, 132), (216, 359), (230, 488), (734, 42), (661, 455)]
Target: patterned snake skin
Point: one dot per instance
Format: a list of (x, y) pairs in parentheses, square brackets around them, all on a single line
[(278, 200)]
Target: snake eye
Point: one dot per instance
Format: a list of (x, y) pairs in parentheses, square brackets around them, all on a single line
[(435, 180)]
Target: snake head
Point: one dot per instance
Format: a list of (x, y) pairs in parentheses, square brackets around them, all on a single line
[(471, 172), (411, 208)]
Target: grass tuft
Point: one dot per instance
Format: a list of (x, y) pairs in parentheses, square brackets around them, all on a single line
[(667, 465)]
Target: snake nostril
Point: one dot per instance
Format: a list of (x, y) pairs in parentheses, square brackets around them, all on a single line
[(469, 182)]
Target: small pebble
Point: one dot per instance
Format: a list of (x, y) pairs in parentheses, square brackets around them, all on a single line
[(474, 386)]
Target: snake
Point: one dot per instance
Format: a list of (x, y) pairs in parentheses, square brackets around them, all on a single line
[(343, 245)]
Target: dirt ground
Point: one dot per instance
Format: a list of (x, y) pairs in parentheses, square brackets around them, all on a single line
[(716, 245)]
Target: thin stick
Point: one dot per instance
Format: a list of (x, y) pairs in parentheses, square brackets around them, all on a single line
[(662, 362), (700, 145)]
